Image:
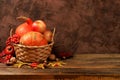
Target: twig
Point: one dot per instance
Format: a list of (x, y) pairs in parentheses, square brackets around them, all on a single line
[(11, 32), (53, 34)]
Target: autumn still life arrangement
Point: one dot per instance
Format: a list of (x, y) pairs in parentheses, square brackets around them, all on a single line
[(30, 45)]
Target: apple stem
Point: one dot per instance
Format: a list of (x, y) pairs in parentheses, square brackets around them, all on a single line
[(28, 20)]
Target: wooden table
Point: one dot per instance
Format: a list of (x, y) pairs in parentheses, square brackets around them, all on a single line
[(81, 67)]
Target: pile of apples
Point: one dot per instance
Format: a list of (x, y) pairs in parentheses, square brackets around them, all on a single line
[(28, 33), (33, 33)]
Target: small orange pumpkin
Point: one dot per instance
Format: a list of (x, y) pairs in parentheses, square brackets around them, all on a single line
[(31, 39)]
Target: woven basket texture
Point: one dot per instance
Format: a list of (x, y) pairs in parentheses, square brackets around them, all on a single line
[(33, 53)]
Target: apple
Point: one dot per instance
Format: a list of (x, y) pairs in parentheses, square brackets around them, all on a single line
[(39, 26), (9, 50)]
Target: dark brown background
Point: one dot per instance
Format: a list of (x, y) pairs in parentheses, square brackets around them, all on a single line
[(82, 26)]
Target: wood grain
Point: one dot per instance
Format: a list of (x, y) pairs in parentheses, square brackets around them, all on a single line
[(81, 65)]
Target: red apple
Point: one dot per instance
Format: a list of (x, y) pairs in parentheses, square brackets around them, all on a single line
[(9, 50), (64, 55), (39, 26)]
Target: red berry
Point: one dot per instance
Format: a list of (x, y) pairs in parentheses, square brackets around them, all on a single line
[(33, 64), (7, 57), (13, 39)]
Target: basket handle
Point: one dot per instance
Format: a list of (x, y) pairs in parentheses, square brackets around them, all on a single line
[(53, 34)]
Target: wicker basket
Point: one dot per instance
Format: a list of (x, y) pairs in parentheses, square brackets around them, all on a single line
[(33, 53)]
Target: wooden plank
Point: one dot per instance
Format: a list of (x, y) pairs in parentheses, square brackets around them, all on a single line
[(80, 64)]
